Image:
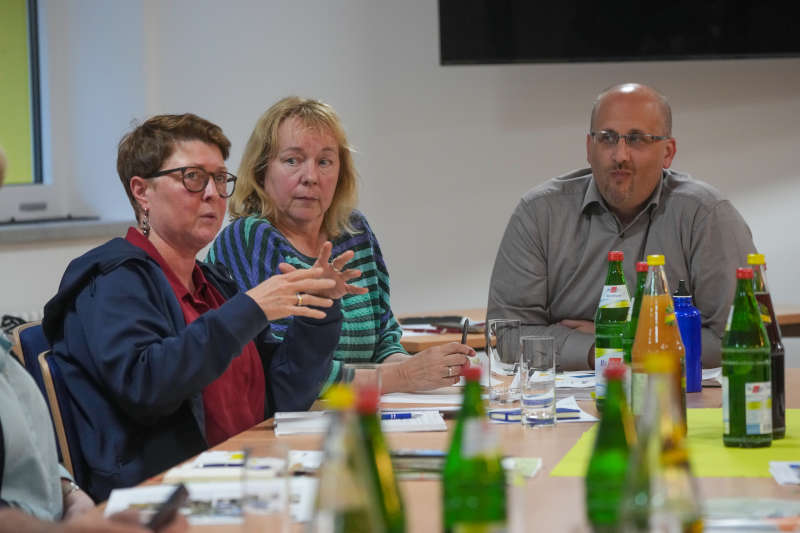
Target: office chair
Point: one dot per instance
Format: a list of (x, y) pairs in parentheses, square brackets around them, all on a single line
[(28, 341), (31, 342), (55, 392)]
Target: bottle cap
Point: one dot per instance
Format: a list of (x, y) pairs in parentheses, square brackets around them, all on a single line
[(755, 259), (682, 290), (340, 396), (615, 370), (641, 266), (367, 399), (616, 255), (655, 260), (744, 273), (471, 373)]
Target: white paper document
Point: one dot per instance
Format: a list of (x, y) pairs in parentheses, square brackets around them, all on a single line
[(219, 465), (785, 472), (211, 503), (317, 422)]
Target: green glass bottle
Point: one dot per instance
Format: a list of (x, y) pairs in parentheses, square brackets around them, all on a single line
[(660, 493), (633, 310), (384, 481), (632, 321), (605, 476), (746, 372), (345, 502), (610, 322), (473, 480)]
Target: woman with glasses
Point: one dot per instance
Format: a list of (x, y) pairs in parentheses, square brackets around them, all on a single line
[(163, 355), (297, 195)]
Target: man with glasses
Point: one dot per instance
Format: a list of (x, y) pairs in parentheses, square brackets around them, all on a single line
[(551, 264)]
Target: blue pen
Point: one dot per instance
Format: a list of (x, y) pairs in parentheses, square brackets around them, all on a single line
[(396, 416)]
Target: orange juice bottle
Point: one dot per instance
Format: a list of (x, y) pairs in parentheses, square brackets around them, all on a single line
[(657, 336)]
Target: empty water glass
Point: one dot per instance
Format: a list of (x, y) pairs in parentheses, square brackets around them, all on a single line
[(502, 346), (537, 381)]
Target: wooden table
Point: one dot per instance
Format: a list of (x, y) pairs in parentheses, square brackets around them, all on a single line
[(552, 503), (417, 343), (788, 317)]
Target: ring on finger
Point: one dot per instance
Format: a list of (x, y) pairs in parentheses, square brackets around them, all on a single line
[(449, 371), (299, 299)]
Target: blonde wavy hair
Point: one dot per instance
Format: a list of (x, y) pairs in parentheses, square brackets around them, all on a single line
[(250, 198)]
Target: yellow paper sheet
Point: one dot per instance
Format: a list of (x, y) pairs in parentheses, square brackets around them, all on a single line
[(709, 457)]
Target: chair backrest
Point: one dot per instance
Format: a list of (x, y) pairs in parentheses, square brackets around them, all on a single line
[(28, 336), (55, 391), (31, 341)]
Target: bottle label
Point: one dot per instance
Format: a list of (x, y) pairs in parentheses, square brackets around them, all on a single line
[(758, 407), (638, 391), (602, 358), (479, 438), (614, 296), (726, 409)]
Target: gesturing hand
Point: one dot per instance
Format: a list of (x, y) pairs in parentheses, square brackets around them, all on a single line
[(333, 270), (289, 294)]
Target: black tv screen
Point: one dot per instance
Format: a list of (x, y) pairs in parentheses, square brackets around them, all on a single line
[(519, 31)]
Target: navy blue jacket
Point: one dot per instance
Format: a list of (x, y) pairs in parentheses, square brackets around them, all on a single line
[(136, 371)]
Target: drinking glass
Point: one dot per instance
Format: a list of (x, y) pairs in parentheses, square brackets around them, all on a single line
[(537, 381), (265, 488), (502, 346), (369, 375)]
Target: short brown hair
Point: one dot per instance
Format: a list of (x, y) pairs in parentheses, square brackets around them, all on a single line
[(143, 150), (249, 198)]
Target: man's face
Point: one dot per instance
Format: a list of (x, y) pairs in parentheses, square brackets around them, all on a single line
[(626, 175)]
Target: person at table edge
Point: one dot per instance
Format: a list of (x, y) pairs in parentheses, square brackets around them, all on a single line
[(163, 356), (552, 260)]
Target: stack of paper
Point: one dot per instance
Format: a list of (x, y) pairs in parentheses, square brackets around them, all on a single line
[(567, 410), (227, 466), (579, 384), (712, 377), (211, 503), (294, 423)]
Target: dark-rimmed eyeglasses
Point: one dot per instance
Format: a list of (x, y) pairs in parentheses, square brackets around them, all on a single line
[(195, 179), (632, 140)]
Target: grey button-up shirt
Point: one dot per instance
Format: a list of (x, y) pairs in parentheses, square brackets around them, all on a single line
[(552, 261)]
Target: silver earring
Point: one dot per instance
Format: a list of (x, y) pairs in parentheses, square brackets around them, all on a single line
[(146, 223)]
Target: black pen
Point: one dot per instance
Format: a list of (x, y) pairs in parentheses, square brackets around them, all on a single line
[(464, 327)]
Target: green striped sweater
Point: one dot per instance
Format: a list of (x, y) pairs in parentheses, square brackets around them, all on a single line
[(252, 248)]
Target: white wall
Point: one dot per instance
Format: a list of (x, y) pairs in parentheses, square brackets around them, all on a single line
[(444, 153)]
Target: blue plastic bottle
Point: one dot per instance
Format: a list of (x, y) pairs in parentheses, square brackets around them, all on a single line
[(689, 323)]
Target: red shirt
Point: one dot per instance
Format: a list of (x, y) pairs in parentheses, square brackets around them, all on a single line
[(235, 400)]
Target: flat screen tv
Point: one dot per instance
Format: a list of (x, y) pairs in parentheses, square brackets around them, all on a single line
[(519, 31)]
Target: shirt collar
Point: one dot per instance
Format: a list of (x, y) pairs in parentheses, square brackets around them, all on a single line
[(137, 239), (593, 196)]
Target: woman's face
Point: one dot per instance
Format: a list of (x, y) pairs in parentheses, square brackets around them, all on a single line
[(186, 221), (301, 178)]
